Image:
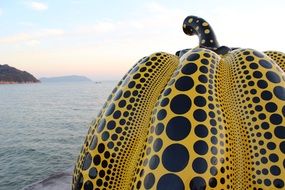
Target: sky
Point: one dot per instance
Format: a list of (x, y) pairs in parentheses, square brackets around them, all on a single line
[(103, 39)]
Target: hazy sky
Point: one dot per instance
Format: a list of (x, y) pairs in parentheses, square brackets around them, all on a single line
[(103, 39)]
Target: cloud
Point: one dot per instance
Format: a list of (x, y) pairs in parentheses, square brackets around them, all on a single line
[(154, 15), (99, 27), (31, 37), (1, 12), (38, 6), (32, 43)]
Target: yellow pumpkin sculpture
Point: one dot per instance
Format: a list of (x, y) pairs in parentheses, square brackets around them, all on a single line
[(208, 118)]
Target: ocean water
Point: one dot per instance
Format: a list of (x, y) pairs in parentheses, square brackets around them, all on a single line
[(42, 128)]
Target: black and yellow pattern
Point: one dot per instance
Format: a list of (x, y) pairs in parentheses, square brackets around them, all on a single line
[(213, 119), (113, 144)]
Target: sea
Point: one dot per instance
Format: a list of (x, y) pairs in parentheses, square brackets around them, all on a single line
[(42, 128)]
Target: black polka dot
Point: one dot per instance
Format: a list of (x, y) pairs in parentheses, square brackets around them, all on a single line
[(110, 109), (201, 131), (93, 173), (127, 94), (93, 143), (258, 54), (257, 74), (201, 89), (101, 125), (200, 165), (139, 184), (157, 145), (180, 104), (175, 157), (262, 84), (273, 77), (170, 182), (276, 119), (271, 107), (184, 83), (117, 114), (87, 161), (201, 147), (189, 69), (249, 58), (178, 128), (149, 180), (273, 157), (275, 170), (253, 66), (279, 92), (97, 160), (267, 182), (266, 95), (137, 76), (200, 115), (271, 146), (193, 57), (122, 103), (265, 64), (153, 162), (203, 79), (203, 69), (205, 61), (159, 128), (167, 92), (88, 185), (161, 114), (105, 135), (101, 148), (131, 84), (278, 183), (197, 183), (280, 132), (213, 170), (164, 102), (212, 182), (111, 125), (200, 101)]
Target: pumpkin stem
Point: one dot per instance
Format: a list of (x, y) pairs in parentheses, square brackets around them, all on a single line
[(193, 25)]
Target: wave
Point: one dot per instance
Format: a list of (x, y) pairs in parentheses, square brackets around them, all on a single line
[(59, 181)]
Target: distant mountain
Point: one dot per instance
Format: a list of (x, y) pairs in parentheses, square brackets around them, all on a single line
[(12, 75), (71, 78)]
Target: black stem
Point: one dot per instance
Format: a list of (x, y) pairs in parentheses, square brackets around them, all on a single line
[(193, 25)]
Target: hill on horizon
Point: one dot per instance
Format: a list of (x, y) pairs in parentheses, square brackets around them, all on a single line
[(10, 74), (68, 78)]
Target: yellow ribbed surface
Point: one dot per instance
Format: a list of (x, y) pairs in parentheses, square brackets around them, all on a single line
[(110, 154)]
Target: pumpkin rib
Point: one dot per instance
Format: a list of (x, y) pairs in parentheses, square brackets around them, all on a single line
[(236, 154), (253, 118), (121, 132), (89, 137), (170, 160)]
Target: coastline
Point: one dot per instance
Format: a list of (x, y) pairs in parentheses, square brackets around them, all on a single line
[(12, 82)]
